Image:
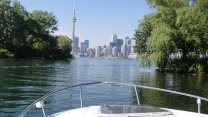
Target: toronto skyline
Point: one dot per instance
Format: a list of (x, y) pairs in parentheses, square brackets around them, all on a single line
[(96, 19)]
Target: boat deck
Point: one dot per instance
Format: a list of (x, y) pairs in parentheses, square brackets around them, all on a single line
[(125, 111)]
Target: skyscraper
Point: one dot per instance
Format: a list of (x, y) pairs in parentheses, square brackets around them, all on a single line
[(126, 40), (124, 51), (83, 48), (87, 43), (112, 44), (76, 45), (113, 38), (98, 51), (114, 52), (119, 43)]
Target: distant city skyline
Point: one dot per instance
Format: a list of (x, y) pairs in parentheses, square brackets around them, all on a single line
[(96, 19), (116, 48)]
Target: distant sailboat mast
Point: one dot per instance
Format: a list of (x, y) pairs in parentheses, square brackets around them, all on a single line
[(73, 30)]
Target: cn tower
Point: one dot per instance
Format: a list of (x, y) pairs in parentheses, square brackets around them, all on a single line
[(73, 30)]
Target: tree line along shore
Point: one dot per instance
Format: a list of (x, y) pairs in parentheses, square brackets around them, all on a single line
[(26, 34)]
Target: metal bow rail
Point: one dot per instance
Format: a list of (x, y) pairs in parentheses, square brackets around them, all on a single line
[(39, 103)]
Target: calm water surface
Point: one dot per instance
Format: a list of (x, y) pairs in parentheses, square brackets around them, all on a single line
[(23, 81)]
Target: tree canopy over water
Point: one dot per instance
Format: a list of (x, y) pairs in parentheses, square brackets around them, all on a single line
[(175, 36), (26, 34)]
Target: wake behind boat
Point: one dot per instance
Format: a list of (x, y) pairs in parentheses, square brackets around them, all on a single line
[(105, 110)]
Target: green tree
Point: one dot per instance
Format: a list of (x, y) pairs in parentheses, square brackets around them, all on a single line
[(28, 34), (143, 32), (12, 26), (41, 26), (64, 45), (161, 45), (47, 21), (64, 42), (176, 26)]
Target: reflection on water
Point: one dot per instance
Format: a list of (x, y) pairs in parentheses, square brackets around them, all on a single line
[(23, 81), (187, 83)]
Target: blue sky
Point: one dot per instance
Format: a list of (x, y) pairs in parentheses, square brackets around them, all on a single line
[(97, 20)]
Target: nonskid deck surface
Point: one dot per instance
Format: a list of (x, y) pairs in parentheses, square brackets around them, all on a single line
[(125, 111)]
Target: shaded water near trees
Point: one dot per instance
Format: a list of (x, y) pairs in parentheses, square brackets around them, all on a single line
[(23, 81)]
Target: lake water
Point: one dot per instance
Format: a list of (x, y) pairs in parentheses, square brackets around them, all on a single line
[(23, 81)]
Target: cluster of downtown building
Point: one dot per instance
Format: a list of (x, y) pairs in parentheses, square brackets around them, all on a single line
[(117, 48)]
